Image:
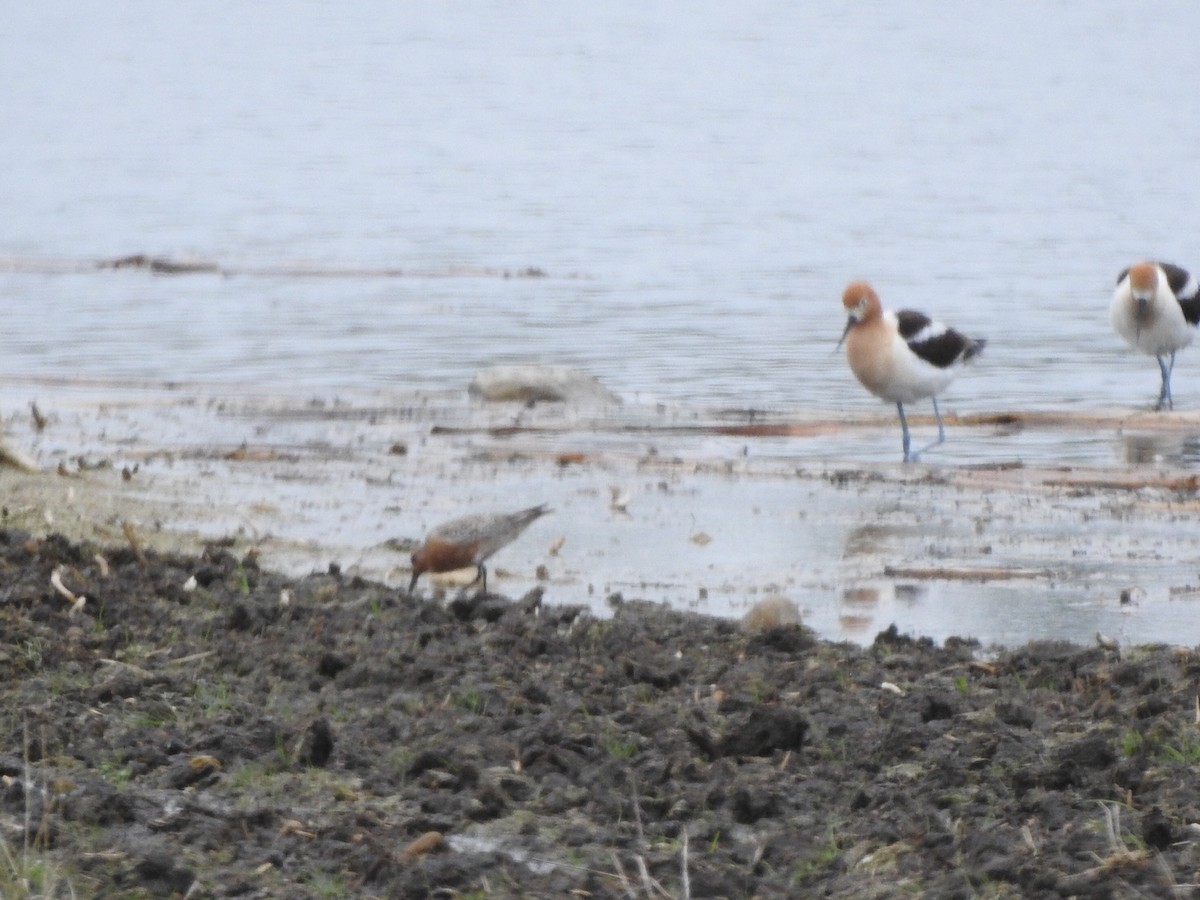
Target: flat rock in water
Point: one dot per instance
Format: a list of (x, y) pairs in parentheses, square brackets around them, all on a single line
[(533, 384)]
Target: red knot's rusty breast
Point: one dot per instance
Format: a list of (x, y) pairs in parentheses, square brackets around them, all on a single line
[(470, 541)]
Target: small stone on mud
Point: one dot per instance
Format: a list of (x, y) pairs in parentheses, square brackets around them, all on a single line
[(485, 607), (938, 706), (771, 612), (1016, 713), (206, 575), (1157, 830), (765, 730), (317, 746), (160, 866), (429, 842), (331, 664), (239, 618), (748, 805)]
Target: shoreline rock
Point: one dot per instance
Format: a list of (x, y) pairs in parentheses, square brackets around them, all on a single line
[(540, 384)]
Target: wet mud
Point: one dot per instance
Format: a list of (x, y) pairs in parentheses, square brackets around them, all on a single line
[(198, 726)]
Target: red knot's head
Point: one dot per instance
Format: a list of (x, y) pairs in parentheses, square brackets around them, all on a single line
[(437, 555)]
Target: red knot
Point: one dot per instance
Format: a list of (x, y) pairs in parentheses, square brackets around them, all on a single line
[(470, 541)]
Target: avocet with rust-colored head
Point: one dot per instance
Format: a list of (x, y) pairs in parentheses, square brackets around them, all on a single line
[(901, 355), (1156, 308)]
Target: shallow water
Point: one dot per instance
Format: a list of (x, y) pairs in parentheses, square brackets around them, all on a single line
[(373, 182), (707, 521)]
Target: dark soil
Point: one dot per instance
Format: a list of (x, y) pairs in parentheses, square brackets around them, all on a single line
[(253, 736)]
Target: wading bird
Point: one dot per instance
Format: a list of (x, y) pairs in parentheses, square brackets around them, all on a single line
[(902, 356), (1155, 308), (470, 541)]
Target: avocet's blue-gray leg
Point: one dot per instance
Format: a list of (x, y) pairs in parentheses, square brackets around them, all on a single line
[(1164, 395), (937, 413), (913, 457), (904, 426)]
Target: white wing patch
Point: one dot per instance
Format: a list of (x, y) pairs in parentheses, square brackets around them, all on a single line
[(930, 332)]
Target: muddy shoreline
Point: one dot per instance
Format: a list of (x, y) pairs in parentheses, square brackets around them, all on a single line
[(199, 726), (705, 510)]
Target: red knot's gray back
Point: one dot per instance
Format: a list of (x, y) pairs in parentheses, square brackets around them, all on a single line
[(470, 541)]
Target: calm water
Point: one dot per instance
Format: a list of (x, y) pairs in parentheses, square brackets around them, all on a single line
[(698, 188)]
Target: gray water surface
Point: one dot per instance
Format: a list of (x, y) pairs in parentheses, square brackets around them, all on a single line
[(697, 184)]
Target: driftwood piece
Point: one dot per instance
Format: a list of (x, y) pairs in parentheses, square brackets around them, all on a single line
[(11, 456), (961, 573)]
